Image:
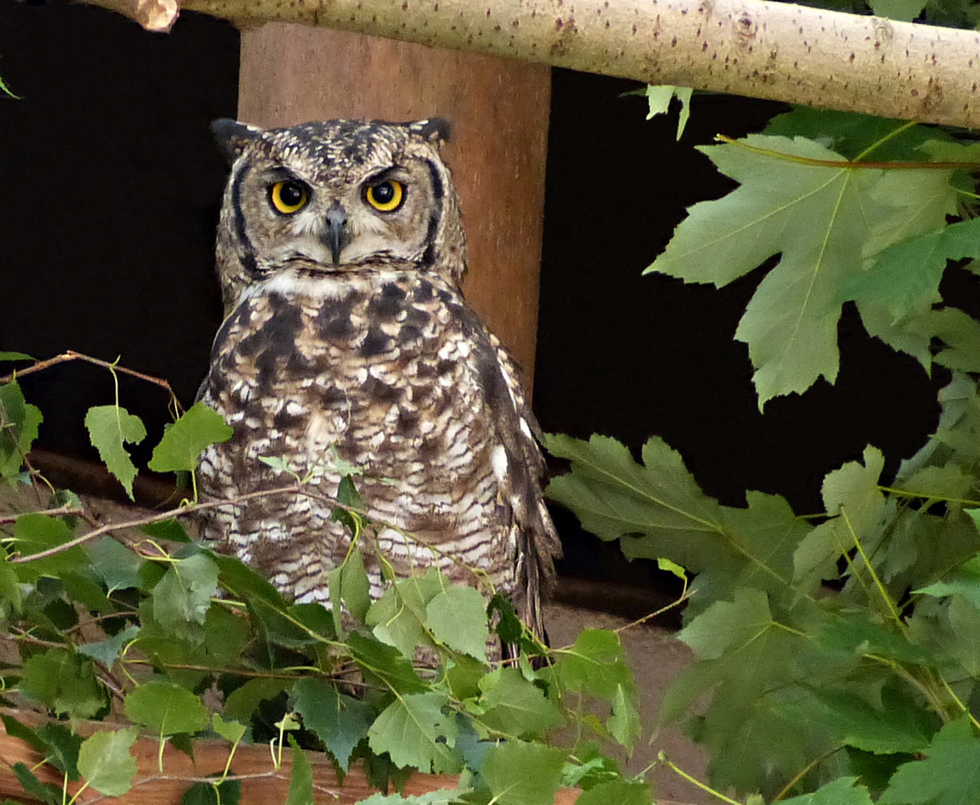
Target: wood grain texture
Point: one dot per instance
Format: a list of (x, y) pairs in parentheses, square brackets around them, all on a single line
[(499, 110), (262, 784)]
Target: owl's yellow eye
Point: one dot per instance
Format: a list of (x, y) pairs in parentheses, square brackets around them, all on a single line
[(386, 196), (288, 197)]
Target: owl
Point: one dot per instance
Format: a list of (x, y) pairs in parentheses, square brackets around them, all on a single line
[(347, 344)]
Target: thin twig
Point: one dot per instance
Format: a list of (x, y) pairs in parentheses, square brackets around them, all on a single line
[(56, 512), (652, 615), (153, 518), (71, 355)]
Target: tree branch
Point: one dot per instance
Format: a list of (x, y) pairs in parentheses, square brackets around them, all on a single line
[(765, 50)]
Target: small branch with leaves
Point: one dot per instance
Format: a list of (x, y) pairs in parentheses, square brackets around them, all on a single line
[(134, 623)]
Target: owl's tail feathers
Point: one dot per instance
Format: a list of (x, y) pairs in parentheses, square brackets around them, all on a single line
[(536, 569)]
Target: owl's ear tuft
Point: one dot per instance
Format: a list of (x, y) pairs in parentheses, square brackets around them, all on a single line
[(435, 130), (232, 136)]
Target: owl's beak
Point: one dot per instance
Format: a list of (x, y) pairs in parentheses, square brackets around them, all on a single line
[(336, 234)]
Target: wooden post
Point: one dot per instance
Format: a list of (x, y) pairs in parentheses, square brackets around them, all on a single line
[(499, 109)]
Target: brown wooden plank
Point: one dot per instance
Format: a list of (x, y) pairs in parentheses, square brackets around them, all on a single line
[(499, 109), (263, 784)]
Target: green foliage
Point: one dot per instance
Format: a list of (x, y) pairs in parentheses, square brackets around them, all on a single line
[(104, 760), (111, 428), (837, 656), (845, 230), (186, 644), (341, 722), (798, 679), (659, 98), (418, 731), (166, 708), (19, 422), (521, 773), (186, 438), (301, 779)]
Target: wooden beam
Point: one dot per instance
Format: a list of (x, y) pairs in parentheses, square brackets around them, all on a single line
[(499, 109), (162, 779)]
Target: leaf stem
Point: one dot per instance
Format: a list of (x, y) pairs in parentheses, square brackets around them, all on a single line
[(694, 781), (805, 771), (846, 164), (909, 494), (896, 616), (903, 673), (893, 133), (959, 702), (686, 596)]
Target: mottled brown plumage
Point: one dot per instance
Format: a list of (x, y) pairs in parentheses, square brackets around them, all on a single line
[(340, 252)]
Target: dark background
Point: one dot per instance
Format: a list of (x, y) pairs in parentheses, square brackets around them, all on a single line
[(109, 201)]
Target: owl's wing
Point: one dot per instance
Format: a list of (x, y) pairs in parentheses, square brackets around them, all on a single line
[(520, 483)]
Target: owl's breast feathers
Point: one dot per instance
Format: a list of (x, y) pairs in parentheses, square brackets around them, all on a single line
[(390, 372)]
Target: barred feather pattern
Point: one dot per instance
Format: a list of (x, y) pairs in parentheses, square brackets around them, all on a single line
[(347, 342), (392, 373)]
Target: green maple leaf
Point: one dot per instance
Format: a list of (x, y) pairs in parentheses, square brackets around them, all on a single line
[(658, 511), (841, 791), (949, 774), (825, 220), (855, 135), (615, 497), (964, 581), (905, 276), (859, 511), (728, 624), (750, 664), (110, 429), (659, 97), (902, 10)]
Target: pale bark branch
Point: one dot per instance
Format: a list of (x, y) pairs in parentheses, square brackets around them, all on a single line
[(766, 50)]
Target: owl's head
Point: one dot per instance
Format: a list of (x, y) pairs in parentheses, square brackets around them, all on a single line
[(321, 199)]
